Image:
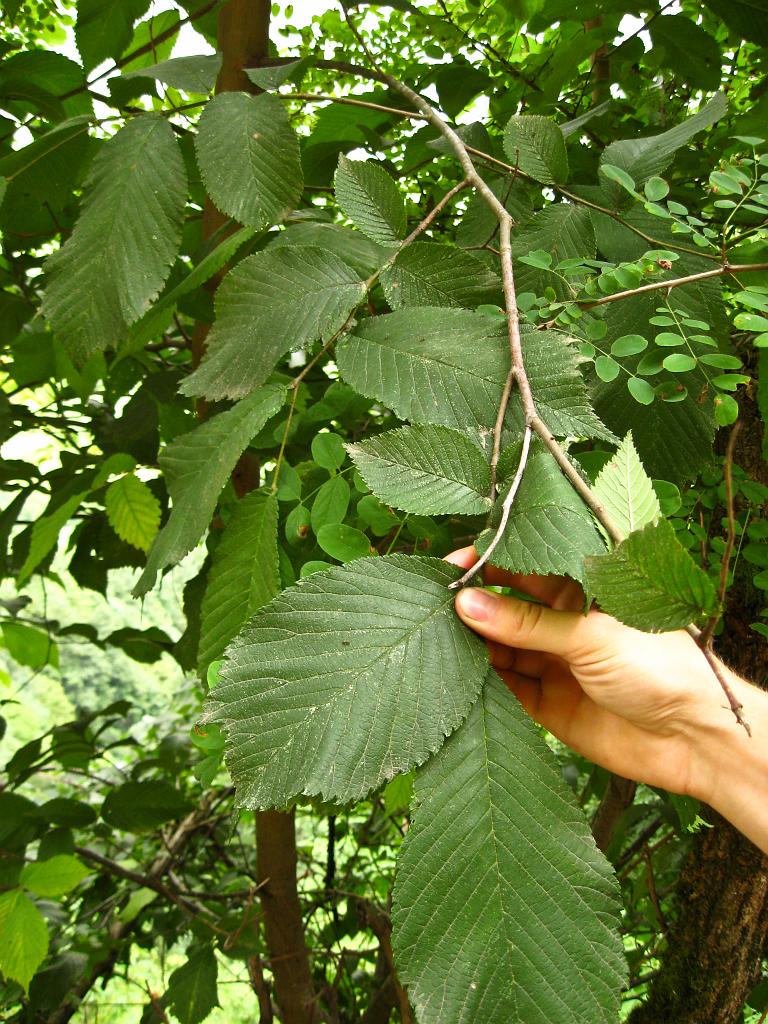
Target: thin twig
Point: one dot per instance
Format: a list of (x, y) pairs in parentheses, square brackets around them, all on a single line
[(726, 268), (505, 510), (705, 639), (716, 667), (349, 101)]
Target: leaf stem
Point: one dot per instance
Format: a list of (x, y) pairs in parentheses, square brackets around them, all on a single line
[(506, 508)]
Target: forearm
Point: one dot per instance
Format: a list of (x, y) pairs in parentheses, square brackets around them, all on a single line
[(733, 767)]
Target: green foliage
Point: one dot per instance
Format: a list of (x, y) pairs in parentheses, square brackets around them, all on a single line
[(495, 834), (651, 582), (378, 637), (354, 365), (119, 255)]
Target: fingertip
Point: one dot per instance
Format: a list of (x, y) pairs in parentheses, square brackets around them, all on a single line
[(462, 557), (477, 605)]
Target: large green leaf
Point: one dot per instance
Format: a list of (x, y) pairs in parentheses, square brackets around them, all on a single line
[(504, 911), (428, 274), (626, 490), (650, 581), (249, 158), (196, 467), (427, 470), (642, 158), (370, 198), (45, 534), (351, 677), (104, 28), (55, 876), (143, 806), (536, 146), (550, 529), (744, 17), (272, 301), (690, 52), (448, 366), (190, 74), (244, 574), (116, 260), (23, 937), (192, 988), (353, 247)]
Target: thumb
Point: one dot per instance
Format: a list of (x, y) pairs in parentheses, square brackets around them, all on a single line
[(516, 623)]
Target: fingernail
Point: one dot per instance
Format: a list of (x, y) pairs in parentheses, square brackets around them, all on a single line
[(454, 558), (477, 604)]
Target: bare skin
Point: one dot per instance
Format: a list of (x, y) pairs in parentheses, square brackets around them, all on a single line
[(643, 705)]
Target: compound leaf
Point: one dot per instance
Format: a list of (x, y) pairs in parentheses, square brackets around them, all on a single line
[(353, 676), (133, 511), (244, 574), (249, 158), (23, 937), (271, 302), (427, 470), (626, 490), (196, 467), (536, 146), (650, 581), (550, 529), (504, 911), (118, 257), (428, 274), (371, 200)]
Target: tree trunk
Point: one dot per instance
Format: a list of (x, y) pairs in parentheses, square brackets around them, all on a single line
[(243, 41), (283, 925), (720, 935)]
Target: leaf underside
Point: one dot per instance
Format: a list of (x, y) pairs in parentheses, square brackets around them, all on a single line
[(503, 909), (349, 678), (550, 529), (426, 470)]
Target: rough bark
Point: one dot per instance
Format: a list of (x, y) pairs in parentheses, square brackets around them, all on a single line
[(283, 925), (720, 933)]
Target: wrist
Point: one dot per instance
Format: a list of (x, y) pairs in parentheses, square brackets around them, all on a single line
[(725, 760)]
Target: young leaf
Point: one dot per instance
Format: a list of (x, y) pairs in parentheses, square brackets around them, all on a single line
[(192, 988), (448, 366), (55, 876), (119, 255), (378, 672), (371, 200), (650, 581), (536, 146), (133, 511), (23, 937), (244, 574), (503, 910), (550, 529), (428, 274), (249, 158), (330, 504), (427, 470), (196, 467), (626, 490), (286, 298)]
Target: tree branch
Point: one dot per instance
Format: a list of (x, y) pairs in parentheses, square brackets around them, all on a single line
[(726, 268)]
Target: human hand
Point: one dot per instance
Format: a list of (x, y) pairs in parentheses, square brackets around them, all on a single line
[(636, 703)]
